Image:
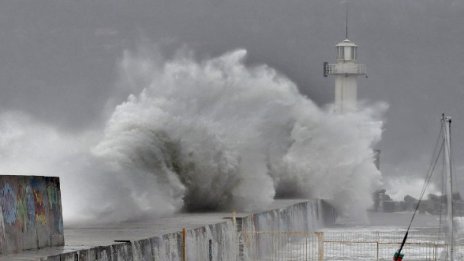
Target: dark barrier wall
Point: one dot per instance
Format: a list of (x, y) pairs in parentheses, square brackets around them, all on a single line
[(31, 215)]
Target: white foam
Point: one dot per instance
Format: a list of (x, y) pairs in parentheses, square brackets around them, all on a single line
[(214, 134)]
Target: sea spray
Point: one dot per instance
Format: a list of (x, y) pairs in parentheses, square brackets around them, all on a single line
[(399, 187), (234, 136), (203, 135), (92, 190)]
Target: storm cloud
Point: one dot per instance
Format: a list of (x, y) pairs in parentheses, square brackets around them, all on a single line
[(59, 59)]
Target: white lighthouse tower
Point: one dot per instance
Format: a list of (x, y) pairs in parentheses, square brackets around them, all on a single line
[(346, 71)]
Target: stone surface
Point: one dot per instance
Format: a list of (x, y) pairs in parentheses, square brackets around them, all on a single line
[(31, 214)]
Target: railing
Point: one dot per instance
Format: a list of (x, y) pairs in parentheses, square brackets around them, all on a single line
[(345, 68), (333, 245)]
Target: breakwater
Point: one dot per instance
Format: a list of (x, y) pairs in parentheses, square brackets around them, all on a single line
[(193, 236), (30, 213)]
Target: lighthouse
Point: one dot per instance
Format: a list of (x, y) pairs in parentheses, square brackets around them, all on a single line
[(346, 71)]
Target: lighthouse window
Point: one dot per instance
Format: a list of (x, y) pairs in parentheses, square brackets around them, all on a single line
[(348, 53), (354, 52), (341, 53)]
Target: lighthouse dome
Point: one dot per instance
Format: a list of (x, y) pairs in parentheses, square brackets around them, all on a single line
[(346, 42)]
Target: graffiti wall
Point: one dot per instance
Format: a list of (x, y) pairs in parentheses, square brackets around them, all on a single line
[(30, 214)]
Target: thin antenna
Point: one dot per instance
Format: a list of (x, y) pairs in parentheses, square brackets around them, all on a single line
[(346, 22)]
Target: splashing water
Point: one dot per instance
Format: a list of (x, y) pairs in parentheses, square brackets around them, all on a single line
[(399, 187), (207, 135)]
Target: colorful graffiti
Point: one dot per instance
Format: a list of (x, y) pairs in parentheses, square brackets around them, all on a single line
[(22, 213), (9, 204), (30, 208), (54, 201), (21, 210), (40, 215)]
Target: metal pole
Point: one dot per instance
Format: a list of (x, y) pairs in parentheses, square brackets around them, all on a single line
[(306, 249), (446, 121), (234, 217), (210, 250), (320, 245), (184, 245)]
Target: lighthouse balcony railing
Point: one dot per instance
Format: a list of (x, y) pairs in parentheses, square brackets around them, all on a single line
[(345, 69)]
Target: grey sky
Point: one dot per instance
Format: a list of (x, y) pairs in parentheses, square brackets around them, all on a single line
[(59, 57)]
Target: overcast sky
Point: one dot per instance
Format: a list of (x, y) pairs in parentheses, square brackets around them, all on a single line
[(59, 58)]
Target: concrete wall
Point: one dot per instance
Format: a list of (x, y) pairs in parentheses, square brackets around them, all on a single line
[(31, 215), (215, 242), (301, 217)]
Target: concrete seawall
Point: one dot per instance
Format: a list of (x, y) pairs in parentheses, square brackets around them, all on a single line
[(261, 229), (208, 236), (30, 216)]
